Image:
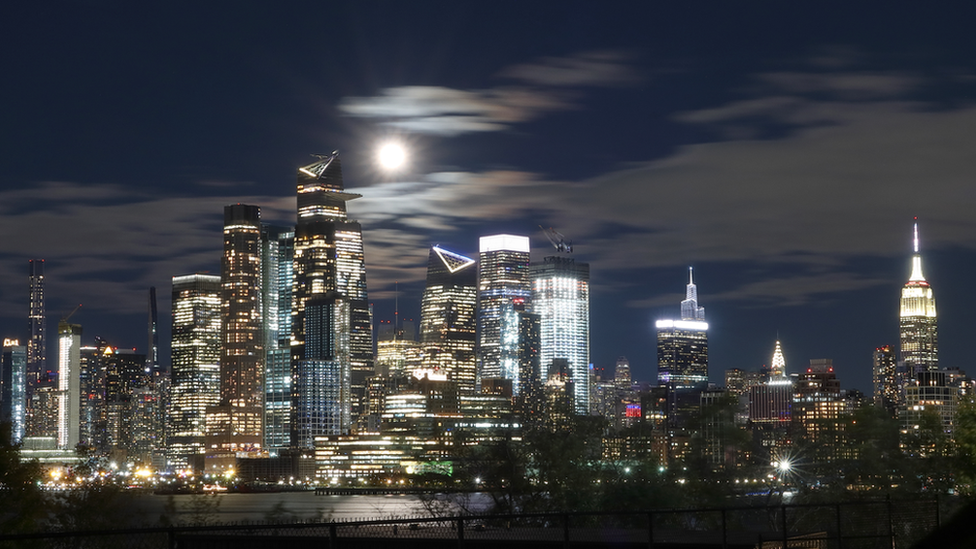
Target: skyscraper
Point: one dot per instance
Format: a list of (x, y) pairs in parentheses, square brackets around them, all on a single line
[(236, 424), (69, 384), (447, 317), (888, 381), (13, 388), (682, 345), (36, 317), (328, 257), (503, 275), (519, 349), (196, 370), (561, 298), (322, 385), (917, 320), (277, 245)]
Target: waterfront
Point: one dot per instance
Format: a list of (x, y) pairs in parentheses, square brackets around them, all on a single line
[(296, 506)]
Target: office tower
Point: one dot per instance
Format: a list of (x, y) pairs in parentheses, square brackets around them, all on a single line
[(682, 345), (777, 370), (503, 275), (329, 258), (152, 401), (519, 348), (195, 371), (36, 317), (92, 387), (322, 384), (277, 246), (888, 381), (917, 321), (621, 373), (817, 409), (928, 392), (69, 384), (561, 298), (447, 317), (128, 411), (13, 389)]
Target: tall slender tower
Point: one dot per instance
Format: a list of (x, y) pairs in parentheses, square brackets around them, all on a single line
[(503, 275), (69, 384), (277, 244), (447, 317), (917, 321), (236, 424), (329, 258), (36, 316), (682, 345), (195, 372), (561, 298)]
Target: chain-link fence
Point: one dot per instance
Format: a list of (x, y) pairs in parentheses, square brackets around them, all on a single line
[(853, 525)]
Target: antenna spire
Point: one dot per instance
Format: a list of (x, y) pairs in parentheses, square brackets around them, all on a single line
[(916, 234)]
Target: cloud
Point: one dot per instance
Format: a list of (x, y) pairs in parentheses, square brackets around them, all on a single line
[(600, 68), (545, 86)]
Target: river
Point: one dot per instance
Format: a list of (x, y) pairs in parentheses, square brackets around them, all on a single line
[(295, 506)]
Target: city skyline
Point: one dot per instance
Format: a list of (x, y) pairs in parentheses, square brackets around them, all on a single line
[(774, 159)]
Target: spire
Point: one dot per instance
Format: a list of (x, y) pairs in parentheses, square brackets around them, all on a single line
[(689, 307), (779, 362), (916, 259)]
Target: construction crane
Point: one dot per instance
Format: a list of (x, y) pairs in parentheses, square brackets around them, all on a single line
[(69, 315), (558, 240)]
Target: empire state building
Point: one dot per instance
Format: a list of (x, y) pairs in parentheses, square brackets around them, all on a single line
[(918, 323)]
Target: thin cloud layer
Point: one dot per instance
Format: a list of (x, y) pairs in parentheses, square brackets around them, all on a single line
[(544, 87)]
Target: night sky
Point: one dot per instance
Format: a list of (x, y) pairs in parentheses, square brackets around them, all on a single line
[(781, 150)]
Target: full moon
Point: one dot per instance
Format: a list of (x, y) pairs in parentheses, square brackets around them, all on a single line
[(392, 156)]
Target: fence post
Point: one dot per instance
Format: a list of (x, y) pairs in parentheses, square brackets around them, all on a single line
[(650, 530), (566, 530), (784, 526), (460, 529), (171, 537), (333, 535), (938, 512), (839, 538)]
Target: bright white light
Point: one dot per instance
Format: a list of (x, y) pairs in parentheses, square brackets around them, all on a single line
[(391, 156)]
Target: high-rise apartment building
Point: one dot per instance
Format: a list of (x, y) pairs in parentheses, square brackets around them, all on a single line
[(818, 407), (195, 370), (328, 257), (503, 275), (682, 345), (13, 388), (447, 317), (917, 320), (69, 385), (561, 298), (36, 319), (519, 348)]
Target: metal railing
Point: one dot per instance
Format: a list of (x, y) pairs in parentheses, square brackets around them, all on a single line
[(850, 525)]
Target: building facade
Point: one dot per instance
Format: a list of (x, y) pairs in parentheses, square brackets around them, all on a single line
[(13, 388), (195, 367), (503, 275), (682, 345), (561, 298), (447, 317)]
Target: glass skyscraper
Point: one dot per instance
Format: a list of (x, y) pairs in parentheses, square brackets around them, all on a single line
[(447, 317), (503, 275), (682, 345), (36, 316), (917, 320), (561, 298), (195, 371), (277, 245), (328, 257), (13, 388)]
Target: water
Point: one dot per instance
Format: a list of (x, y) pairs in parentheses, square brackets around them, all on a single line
[(288, 506)]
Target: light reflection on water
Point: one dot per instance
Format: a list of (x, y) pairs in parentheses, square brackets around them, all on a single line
[(288, 506)]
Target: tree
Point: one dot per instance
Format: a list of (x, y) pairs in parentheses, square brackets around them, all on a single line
[(23, 507)]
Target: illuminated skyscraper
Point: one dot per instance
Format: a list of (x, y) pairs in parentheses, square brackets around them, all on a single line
[(277, 245), (447, 317), (328, 257), (235, 425), (69, 385), (561, 298), (503, 275), (682, 345), (889, 382), (519, 349), (13, 388), (917, 322), (36, 316), (196, 370)]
